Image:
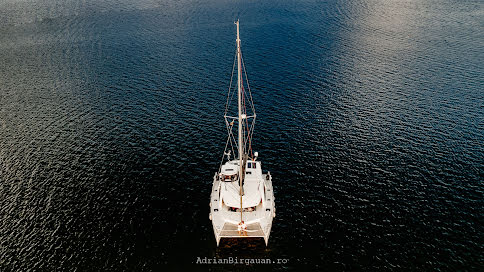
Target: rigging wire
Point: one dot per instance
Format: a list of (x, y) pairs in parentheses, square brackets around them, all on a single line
[(248, 86), (248, 130), (249, 135), (227, 104)]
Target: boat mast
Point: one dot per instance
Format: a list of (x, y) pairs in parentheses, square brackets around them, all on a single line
[(241, 144)]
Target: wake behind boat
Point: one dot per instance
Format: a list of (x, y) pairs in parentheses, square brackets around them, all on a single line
[(242, 198)]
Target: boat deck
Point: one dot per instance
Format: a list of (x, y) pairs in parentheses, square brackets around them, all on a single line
[(229, 230)]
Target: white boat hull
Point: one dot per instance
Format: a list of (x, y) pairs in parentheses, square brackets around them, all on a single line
[(258, 222)]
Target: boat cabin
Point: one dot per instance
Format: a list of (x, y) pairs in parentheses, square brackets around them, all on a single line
[(230, 170)]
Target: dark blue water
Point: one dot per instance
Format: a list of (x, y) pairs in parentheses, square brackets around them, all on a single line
[(370, 119)]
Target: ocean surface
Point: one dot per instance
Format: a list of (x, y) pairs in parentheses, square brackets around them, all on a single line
[(370, 120)]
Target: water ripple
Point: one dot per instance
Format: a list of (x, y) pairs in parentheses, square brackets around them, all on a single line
[(370, 119)]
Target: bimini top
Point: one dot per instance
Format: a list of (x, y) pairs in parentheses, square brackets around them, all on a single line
[(230, 168)]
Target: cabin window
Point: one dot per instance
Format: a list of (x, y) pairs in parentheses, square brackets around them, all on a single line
[(229, 169), (254, 165), (248, 173)]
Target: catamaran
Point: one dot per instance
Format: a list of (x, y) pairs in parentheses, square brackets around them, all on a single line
[(242, 198)]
